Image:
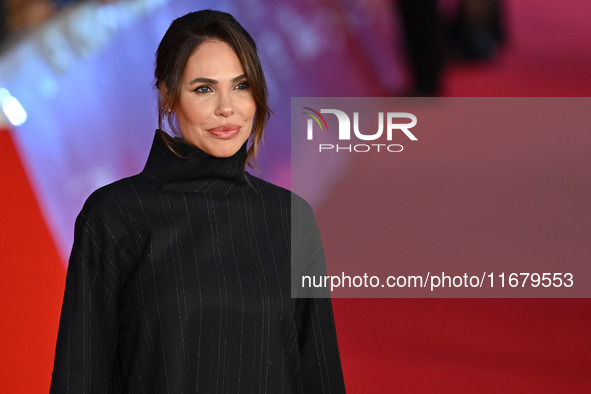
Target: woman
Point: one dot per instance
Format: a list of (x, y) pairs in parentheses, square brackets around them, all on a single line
[(179, 278)]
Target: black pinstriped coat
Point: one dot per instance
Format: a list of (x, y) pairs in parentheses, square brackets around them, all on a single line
[(179, 282)]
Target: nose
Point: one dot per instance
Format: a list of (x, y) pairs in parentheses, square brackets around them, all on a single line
[(224, 107)]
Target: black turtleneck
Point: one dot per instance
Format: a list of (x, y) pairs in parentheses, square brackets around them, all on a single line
[(179, 282)]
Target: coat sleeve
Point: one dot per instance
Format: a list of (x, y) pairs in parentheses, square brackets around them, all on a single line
[(86, 357), (317, 337), (319, 349)]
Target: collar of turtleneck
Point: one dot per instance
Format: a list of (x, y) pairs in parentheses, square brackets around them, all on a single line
[(193, 170)]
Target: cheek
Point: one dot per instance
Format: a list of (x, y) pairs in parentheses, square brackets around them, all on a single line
[(247, 107), (250, 110), (193, 113)]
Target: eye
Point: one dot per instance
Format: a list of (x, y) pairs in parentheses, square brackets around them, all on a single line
[(202, 89), (242, 86)]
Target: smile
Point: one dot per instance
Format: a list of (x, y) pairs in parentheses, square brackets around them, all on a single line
[(224, 132)]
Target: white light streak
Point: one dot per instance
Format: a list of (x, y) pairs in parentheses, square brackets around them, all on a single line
[(13, 110)]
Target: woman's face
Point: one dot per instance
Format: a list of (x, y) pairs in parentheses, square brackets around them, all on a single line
[(216, 107)]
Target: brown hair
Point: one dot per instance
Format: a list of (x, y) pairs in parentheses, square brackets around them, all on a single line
[(183, 36)]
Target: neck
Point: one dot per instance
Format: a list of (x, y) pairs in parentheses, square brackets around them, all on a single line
[(176, 165)]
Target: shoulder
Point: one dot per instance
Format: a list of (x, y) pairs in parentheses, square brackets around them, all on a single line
[(106, 235), (109, 222), (301, 211), (122, 195), (113, 209), (268, 188), (116, 192), (264, 186)]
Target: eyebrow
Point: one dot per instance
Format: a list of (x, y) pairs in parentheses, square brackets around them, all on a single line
[(213, 81)]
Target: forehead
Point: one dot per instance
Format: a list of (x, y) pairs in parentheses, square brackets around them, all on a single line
[(213, 59)]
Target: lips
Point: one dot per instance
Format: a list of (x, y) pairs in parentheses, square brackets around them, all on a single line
[(224, 132)]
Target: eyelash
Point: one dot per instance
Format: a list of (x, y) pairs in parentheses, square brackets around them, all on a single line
[(243, 85), (203, 89)]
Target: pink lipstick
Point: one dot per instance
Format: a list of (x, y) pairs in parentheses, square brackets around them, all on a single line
[(224, 131)]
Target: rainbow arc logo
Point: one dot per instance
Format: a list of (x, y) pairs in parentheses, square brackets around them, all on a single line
[(315, 115)]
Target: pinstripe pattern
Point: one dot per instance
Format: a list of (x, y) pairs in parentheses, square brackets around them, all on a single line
[(179, 282)]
